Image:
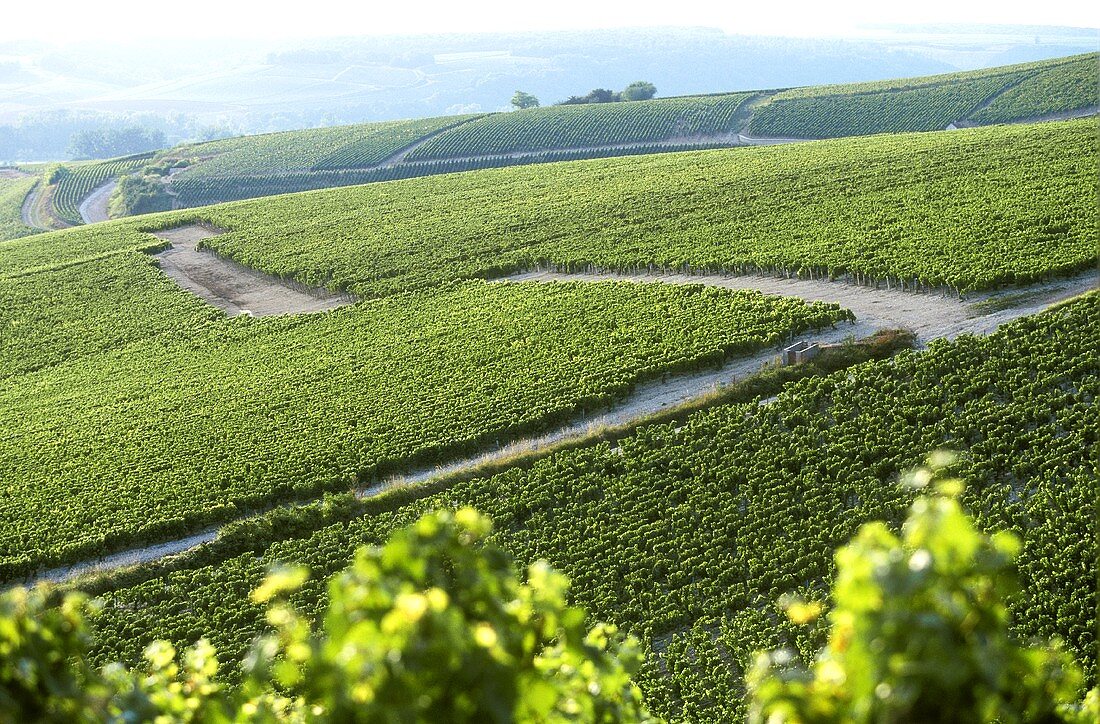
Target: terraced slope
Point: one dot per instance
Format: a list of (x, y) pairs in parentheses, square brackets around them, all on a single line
[(131, 411), (971, 209), (687, 536), (288, 162), (996, 95), (99, 336), (264, 165), (1058, 89), (317, 149)]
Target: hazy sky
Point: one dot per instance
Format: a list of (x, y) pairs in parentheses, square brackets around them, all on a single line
[(69, 19)]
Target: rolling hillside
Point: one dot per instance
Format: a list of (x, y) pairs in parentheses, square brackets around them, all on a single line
[(253, 166), (1010, 94), (135, 413), (687, 535)]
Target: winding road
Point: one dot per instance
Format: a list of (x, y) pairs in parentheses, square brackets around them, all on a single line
[(94, 207), (30, 211), (931, 316)]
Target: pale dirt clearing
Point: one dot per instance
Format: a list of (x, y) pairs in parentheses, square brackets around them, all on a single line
[(94, 208), (746, 140), (928, 315), (234, 288)]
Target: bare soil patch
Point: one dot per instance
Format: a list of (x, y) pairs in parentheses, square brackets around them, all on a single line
[(928, 315), (232, 287)]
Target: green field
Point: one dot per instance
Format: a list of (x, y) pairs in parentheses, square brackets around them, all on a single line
[(1062, 88), (85, 304), (968, 210), (12, 193), (318, 149), (1016, 93), (585, 126), (687, 536), (912, 207), (132, 412), (293, 161), (115, 377)]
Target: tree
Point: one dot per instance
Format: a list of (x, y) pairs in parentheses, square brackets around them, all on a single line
[(139, 194), (596, 95), (523, 100), (639, 90), (919, 633), (110, 142), (434, 626)]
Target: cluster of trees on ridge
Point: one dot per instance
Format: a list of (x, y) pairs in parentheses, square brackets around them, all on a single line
[(110, 142), (639, 90)]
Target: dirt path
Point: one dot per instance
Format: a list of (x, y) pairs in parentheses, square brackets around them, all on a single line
[(30, 212), (929, 315), (127, 558), (38, 210), (646, 399), (94, 207), (399, 156), (234, 288)]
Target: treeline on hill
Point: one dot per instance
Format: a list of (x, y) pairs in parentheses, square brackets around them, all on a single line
[(50, 135), (112, 142), (639, 90)]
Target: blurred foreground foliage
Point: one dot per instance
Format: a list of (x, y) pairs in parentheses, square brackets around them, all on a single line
[(919, 631), (436, 625)]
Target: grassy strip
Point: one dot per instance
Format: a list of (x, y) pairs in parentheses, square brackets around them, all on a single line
[(256, 533)]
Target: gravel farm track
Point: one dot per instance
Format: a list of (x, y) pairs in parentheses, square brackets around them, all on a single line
[(94, 207), (930, 315), (232, 287), (31, 211)]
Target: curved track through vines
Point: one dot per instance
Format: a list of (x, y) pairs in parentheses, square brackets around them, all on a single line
[(94, 207), (929, 315), (30, 212)]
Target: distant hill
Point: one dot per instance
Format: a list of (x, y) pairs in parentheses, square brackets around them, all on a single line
[(194, 175), (193, 89)]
